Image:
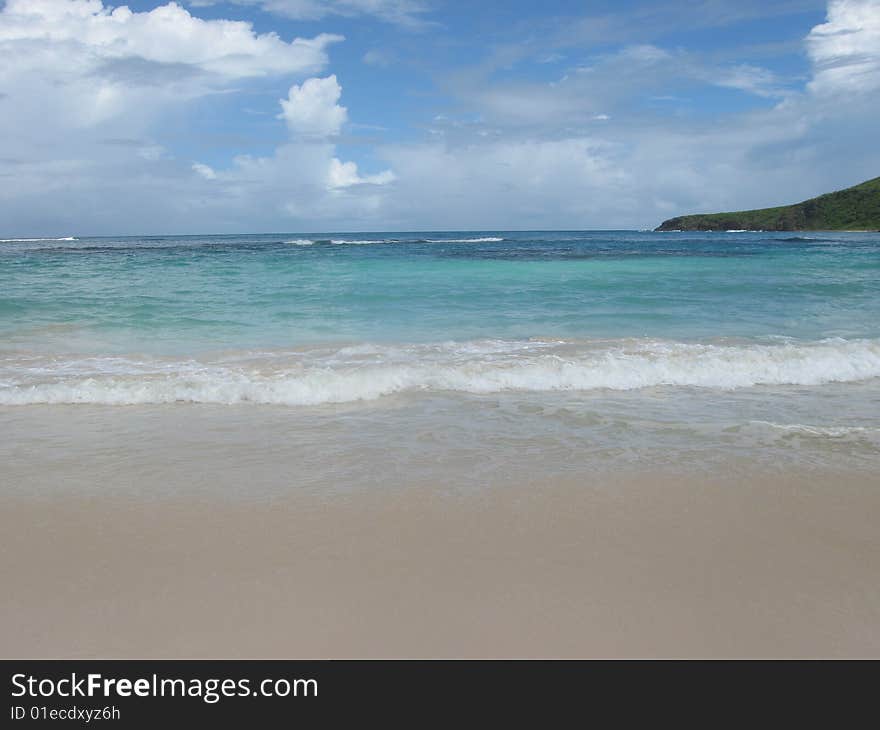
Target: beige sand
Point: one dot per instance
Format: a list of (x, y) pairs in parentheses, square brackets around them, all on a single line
[(691, 568)]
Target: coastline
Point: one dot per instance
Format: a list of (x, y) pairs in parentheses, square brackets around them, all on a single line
[(494, 445)]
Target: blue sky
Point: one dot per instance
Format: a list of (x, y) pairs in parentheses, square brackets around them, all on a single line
[(331, 115)]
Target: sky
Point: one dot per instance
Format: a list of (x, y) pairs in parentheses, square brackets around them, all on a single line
[(241, 116)]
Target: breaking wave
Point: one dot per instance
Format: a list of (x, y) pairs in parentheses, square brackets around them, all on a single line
[(23, 240), (366, 372), (367, 241), (361, 241), (801, 429)]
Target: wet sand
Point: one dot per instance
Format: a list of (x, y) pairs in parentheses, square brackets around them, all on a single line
[(632, 567)]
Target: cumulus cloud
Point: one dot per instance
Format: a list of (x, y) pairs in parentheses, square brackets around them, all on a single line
[(205, 171), (85, 32), (86, 88), (345, 174), (303, 179), (79, 63), (311, 108), (301, 186)]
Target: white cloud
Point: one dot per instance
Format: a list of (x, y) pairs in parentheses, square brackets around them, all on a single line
[(304, 178), (505, 183), (79, 64), (846, 48), (311, 108), (85, 32), (345, 174), (85, 90), (205, 171)]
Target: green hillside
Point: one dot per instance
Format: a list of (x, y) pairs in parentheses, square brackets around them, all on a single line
[(854, 209)]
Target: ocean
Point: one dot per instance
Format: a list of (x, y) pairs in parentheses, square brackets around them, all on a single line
[(460, 358)]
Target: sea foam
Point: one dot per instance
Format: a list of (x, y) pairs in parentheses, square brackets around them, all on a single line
[(23, 240), (370, 371), (483, 239)]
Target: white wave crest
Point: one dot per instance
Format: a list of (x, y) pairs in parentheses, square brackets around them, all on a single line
[(361, 241), (301, 242), (367, 371), (369, 241), (484, 239), (23, 240), (821, 431)]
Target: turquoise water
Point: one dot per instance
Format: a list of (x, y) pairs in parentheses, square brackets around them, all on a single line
[(176, 295), (477, 355), (304, 319)]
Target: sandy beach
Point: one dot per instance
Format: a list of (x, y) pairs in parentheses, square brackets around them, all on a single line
[(788, 567)]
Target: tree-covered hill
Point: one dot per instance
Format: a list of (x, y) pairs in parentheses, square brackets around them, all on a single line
[(854, 209)]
